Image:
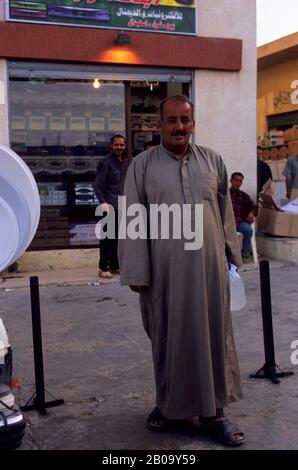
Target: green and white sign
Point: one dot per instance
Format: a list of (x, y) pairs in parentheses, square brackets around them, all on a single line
[(167, 16)]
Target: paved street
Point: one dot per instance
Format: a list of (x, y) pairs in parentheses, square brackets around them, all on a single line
[(98, 359)]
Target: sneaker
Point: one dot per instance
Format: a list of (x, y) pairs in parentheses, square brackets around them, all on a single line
[(105, 274)]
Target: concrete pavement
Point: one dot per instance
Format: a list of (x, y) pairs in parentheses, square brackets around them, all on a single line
[(98, 359)]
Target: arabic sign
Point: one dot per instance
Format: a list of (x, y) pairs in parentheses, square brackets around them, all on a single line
[(168, 16)]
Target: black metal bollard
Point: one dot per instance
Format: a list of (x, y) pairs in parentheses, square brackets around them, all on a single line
[(39, 402), (268, 370)]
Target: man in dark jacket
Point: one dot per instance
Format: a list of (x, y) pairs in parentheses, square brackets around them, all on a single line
[(108, 185), (263, 170)]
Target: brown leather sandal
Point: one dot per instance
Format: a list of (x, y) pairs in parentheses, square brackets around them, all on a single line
[(157, 422)]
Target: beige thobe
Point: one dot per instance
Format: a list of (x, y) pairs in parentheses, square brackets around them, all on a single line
[(185, 306)]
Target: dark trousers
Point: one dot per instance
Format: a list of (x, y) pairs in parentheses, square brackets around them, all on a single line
[(108, 250)]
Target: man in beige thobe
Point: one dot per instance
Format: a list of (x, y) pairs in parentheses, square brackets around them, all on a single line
[(184, 294)]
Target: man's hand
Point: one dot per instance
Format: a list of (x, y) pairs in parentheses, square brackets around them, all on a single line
[(250, 218), (288, 194), (138, 289), (104, 207)]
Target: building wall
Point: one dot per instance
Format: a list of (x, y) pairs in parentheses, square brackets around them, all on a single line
[(225, 101), (4, 132), (4, 137), (274, 91)]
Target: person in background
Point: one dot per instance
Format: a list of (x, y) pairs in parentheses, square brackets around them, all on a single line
[(245, 211), (184, 292), (291, 174), (108, 185), (263, 170)]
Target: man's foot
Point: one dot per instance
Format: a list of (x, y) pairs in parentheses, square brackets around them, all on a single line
[(157, 422), (223, 431), (105, 274)]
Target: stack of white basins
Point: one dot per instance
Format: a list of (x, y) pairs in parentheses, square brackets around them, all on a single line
[(19, 217), (19, 207)]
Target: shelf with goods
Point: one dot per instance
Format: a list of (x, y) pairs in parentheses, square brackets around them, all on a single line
[(68, 206), (144, 129), (144, 105), (279, 144)]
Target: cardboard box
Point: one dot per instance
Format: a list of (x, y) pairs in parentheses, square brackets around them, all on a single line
[(272, 220), (293, 148), (278, 223), (290, 134)]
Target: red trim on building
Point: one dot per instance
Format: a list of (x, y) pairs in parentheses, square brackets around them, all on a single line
[(73, 44)]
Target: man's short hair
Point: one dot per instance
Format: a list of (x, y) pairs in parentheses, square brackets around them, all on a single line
[(237, 173), (179, 98), (117, 136)]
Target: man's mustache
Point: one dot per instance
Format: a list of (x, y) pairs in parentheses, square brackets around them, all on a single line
[(178, 133)]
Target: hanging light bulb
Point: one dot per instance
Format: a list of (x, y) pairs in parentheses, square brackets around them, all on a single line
[(151, 84), (96, 83)]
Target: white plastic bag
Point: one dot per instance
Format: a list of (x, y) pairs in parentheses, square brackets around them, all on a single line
[(237, 291)]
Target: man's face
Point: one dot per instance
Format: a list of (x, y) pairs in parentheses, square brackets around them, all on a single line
[(236, 182), (118, 146), (177, 125), (260, 153)]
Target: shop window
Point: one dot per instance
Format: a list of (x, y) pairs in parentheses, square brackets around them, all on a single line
[(62, 128)]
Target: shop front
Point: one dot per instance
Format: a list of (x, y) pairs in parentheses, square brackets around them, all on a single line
[(67, 90), (277, 107), (61, 123)]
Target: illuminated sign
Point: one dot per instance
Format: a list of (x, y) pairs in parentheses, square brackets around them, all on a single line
[(167, 16)]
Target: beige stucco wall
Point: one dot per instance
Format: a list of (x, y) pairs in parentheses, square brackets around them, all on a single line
[(226, 101)]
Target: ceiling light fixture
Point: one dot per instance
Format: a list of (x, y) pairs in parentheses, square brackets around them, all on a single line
[(123, 39), (96, 83), (151, 84)]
